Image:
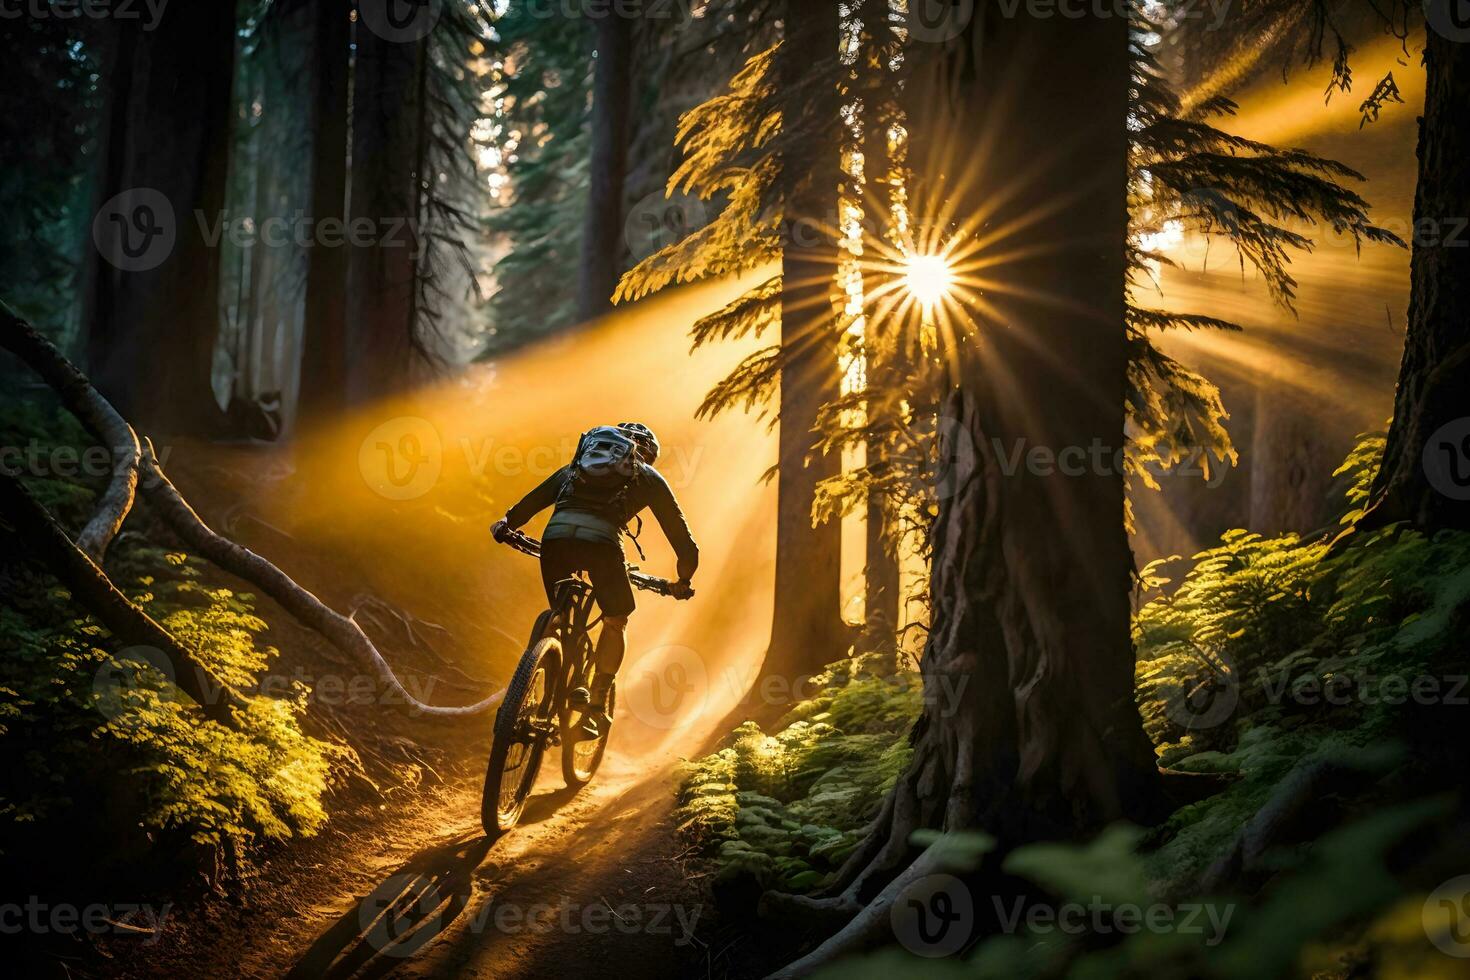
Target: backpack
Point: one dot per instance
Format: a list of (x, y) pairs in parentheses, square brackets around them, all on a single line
[(603, 469)]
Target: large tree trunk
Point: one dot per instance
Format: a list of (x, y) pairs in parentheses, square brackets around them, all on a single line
[(807, 630), (1029, 728), (602, 237), (324, 339), (1031, 575), (1425, 477), (154, 314), (386, 112)]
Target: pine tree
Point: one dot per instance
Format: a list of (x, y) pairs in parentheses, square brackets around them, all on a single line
[(1422, 478), (1041, 345), (540, 145), (770, 147)]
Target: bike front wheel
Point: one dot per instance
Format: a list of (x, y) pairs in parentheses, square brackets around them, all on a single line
[(523, 725)]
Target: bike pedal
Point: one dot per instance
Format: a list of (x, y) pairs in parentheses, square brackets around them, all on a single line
[(580, 697)]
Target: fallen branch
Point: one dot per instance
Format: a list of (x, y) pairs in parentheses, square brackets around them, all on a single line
[(101, 419), (88, 405), (49, 543), (340, 631)]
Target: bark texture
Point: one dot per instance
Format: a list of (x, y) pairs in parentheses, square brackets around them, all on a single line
[(1032, 567), (807, 630), (1425, 477), (602, 236)]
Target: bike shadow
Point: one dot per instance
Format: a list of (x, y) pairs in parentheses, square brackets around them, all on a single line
[(410, 907), (403, 913)]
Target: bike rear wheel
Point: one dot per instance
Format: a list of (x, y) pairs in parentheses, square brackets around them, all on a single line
[(523, 725)]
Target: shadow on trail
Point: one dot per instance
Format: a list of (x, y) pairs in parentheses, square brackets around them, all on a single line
[(544, 805), (410, 907)]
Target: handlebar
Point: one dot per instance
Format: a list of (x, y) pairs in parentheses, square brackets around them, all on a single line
[(527, 545)]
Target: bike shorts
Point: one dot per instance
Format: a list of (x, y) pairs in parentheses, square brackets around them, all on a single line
[(601, 560)]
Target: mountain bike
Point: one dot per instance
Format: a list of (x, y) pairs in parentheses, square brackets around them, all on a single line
[(546, 701)]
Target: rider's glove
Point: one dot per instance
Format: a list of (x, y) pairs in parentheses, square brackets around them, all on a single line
[(500, 531), (682, 589)]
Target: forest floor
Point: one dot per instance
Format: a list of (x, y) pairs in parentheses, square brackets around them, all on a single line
[(587, 886)]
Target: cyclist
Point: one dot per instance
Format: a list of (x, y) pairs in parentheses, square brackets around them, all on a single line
[(609, 482)]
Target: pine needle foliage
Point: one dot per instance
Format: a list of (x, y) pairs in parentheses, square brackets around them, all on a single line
[(540, 103)]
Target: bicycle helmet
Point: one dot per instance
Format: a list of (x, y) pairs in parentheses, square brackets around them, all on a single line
[(643, 438)]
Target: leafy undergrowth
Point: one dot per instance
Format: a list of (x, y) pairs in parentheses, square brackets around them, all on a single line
[(101, 744), (1272, 653), (1263, 659), (784, 810)]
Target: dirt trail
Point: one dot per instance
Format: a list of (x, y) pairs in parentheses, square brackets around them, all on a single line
[(589, 885)]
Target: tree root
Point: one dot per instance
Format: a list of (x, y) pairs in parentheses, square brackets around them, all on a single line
[(104, 422), (869, 925), (804, 911), (1304, 785)]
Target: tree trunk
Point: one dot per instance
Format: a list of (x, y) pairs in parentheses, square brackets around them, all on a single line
[(385, 193), (1292, 456), (602, 238), (807, 630), (324, 339), (1029, 727), (154, 314), (1425, 477), (881, 600)]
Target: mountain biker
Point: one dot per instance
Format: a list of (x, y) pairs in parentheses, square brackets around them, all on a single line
[(609, 482)]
